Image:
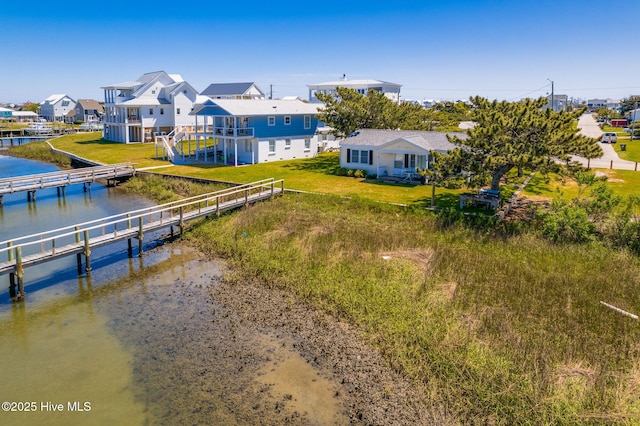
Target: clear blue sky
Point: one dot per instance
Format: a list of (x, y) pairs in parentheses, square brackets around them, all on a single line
[(437, 49)]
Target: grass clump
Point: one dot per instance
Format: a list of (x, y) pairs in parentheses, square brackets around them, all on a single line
[(40, 151), (504, 330), (165, 190)]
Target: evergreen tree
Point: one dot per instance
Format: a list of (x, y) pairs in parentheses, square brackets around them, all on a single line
[(522, 135)]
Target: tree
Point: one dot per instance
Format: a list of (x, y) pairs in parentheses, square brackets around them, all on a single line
[(520, 135), (349, 111), (629, 103)]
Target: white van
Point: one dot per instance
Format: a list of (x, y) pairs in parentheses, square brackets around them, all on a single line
[(609, 137)]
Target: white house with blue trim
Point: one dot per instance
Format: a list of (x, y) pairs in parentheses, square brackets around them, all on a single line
[(251, 131), (56, 107)]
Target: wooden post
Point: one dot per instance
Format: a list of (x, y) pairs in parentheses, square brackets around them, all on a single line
[(129, 248), (79, 263), (10, 252), (19, 273), (218, 206), (611, 165), (635, 170), (140, 236), (12, 286), (181, 219), (87, 252), (588, 163)]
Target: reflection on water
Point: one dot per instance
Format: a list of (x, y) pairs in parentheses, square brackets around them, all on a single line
[(140, 339)]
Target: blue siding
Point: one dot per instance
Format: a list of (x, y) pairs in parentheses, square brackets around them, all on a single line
[(296, 128)]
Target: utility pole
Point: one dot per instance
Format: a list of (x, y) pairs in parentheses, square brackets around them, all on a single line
[(271, 91), (552, 100), (635, 117)]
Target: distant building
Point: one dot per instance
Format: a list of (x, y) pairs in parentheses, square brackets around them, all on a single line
[(233, 91), (56, 107), (390, 90), (594, 104), (88, 110), (558, 103), (155, 104)]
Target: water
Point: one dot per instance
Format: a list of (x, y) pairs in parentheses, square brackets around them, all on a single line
[(140, 340)]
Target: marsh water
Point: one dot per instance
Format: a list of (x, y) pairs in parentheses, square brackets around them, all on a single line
[(139, 340)]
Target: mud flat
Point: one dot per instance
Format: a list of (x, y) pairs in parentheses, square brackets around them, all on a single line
[(211, 351)]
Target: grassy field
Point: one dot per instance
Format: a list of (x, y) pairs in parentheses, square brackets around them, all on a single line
[(501, 331)]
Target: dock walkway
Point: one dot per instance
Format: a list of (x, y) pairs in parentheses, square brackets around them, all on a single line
[(81, 238), (61, 179)]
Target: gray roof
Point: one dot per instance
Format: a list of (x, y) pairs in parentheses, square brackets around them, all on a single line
[(430, 141), (227, 89), (254, 107)]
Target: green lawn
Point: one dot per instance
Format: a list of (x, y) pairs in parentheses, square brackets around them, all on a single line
[(315, 174)]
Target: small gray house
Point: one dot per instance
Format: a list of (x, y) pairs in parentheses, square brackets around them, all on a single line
[(393, 152)]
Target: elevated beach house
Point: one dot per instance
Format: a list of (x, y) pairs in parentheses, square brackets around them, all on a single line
[(155, 104), (390, 90), (251, 131), (56, 107), (393, 152)]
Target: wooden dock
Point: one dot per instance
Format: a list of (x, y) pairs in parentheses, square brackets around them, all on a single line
[(31, 183), (79, 239)]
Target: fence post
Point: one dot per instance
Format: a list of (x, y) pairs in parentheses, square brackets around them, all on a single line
[(10, 252), (181, 219)]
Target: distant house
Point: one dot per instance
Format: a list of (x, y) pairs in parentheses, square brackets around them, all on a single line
[(155, 104), (393, 152), (24, 116), (88, 110), (233, 91), (5, 113), (56, 107), (558, 103), (390, 90), (594, 104), (253, 131), (634, 115)]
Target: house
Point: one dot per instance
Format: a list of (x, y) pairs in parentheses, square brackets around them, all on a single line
[(156, 103), (390, 90), (88, 111), (558, 102), (233, 91), (244, 131), (6, 113), (634, 115), (594, 104), (56, 107), (393, 152)]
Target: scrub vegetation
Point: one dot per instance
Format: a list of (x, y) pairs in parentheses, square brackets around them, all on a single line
[(501, 329)]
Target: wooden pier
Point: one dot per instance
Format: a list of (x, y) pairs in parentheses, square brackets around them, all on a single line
[(31, 183), (81, 238)]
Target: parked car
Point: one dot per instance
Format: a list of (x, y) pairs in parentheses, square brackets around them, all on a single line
[(609, 137)]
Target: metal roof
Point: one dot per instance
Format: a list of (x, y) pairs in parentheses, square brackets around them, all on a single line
[(228, 89), (350, 83)]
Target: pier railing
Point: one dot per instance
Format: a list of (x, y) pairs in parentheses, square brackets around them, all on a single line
[(17, 253)]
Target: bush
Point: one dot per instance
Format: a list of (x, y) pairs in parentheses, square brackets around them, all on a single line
[(566, 224), (359, 173)]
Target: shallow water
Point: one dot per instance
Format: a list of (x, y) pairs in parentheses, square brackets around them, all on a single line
[(140, 340)]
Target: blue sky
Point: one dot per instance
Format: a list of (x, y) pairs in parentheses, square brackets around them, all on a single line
[(499, 49)]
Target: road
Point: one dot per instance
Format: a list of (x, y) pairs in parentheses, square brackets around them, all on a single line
[(589, 127)]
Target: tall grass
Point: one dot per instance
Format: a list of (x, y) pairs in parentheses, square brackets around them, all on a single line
[(40, 151), (505, 331)]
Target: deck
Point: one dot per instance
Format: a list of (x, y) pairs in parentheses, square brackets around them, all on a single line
[(81, 238)]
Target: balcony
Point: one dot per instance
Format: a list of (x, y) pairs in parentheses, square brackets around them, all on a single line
[(233, 132)]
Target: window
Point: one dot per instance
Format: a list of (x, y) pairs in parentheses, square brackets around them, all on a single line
[(178, 111), (150, 111), (161, 111), (271, 120), (307, 144), (272, 146), (358, 156), (307, 121), (287, 120), (65, 103), (287, 143)]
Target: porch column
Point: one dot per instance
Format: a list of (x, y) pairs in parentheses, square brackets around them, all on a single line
[(235, 152), (197, 139)]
